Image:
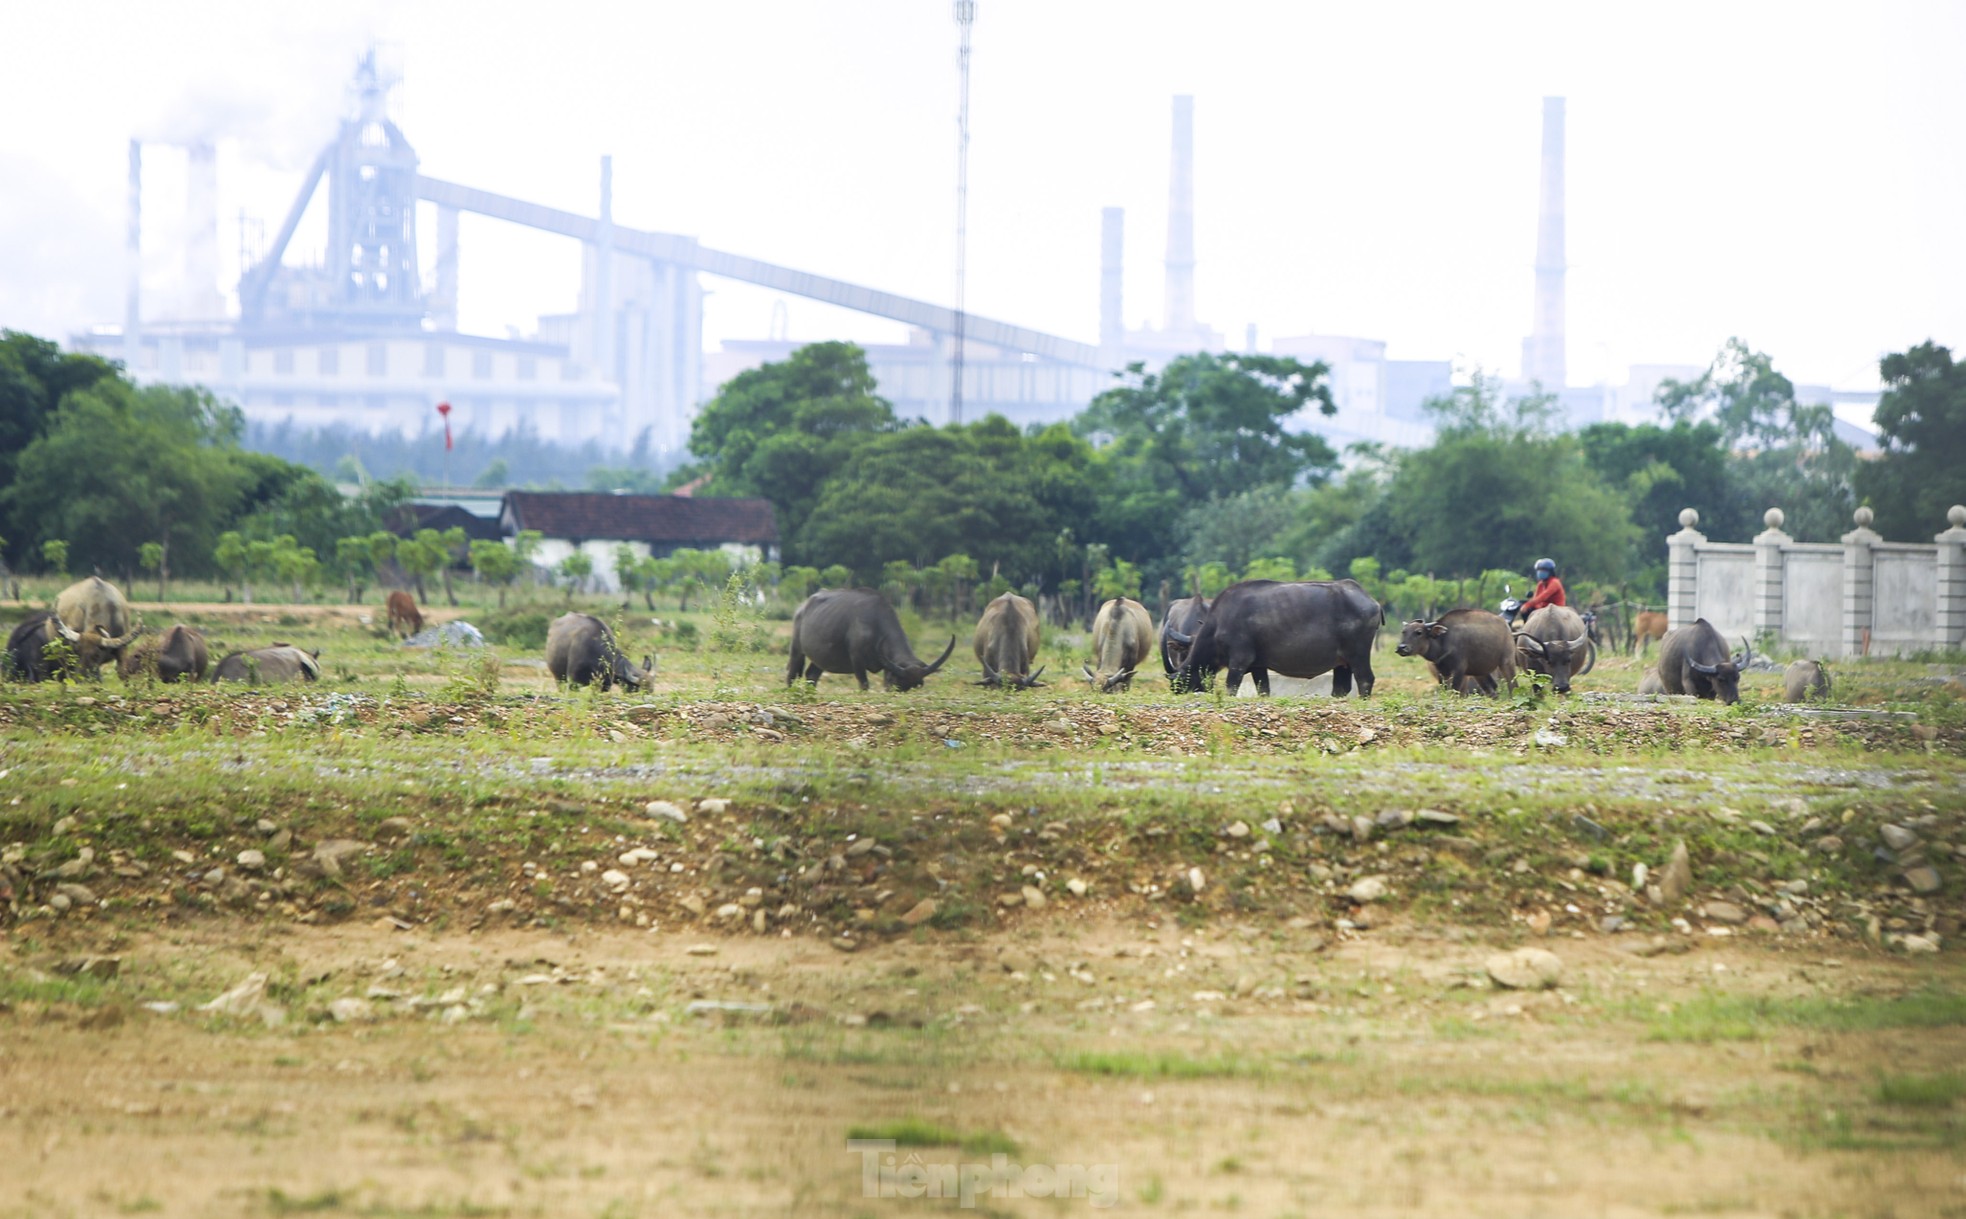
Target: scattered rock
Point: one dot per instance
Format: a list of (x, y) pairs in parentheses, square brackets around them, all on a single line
[(242, 999), (919, 913), (701, 950), (1550, 739), (858, 847), (1370, 889), (1393, 819), (91, 967), (1897, 837), (728, 1010), (1434, 817), (351, 1010), (79, 895), (1526, 969), (1639, 873), (1033, 897), (729, 911), (1008, 900), (329, 855), (394, 829), (713, 806), (1724, 912), (1924, 879), (1677, 877), (1075, 887), (615, 878), (1238, 829), (252, 861), (1539, 922), (1920, 943), (1830, 844), (1361, 828), (843, 943), (1196, 881)]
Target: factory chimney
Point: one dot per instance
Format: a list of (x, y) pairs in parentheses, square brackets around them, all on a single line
[(133, 254), (1543, 352), (1181, 221), (202, 300), (1112, 323)]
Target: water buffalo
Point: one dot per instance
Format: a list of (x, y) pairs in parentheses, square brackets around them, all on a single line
[(581, 649), (95, 619), (1299, 630), (854, 630), (1468, 648), (1007, 642), (1177, 635), (28, 657), (1805, 680), (1122, 637), (1694, 660), (404, 616), (1555, 642), (1650, 683), (1646, 627), (264, 666), (178, 654)]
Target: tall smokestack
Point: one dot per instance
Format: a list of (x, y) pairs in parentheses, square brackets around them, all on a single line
[(1112, 318), (202, 300), (133, 255), (1181, 220), (1542, 352), (604, 278)]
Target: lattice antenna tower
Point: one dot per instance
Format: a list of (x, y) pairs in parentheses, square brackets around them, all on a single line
[(965, 18)]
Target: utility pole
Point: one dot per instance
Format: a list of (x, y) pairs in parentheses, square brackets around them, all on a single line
[(965, 17)]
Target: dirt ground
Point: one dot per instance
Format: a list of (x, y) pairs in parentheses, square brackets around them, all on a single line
[(1237, 1069)]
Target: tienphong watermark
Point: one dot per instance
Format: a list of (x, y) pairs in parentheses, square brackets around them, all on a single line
[(884, 1174)]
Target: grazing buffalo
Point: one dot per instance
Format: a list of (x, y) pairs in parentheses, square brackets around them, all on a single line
[(1122, 637), (404, 616), (1468, 648), (580, 649), (95, 619), (265, 666), (1694, 660), (1556, 642), (1299, 630), (179, 654), (1650, 683), (28, 657), (1177, 635), (1646, 627), (1805, 681), (1007, 642), (854, 630)]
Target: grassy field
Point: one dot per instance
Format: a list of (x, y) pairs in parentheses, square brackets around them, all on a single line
[(522, 950)]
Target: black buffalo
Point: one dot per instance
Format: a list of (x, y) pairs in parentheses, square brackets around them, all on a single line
[(178, 654), (855, 630), (1302, 629), (1177, 635), (580, 649), (264, 666), (28, 657), (1694, 660)]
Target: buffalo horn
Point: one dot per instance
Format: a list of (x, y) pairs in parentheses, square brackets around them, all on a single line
[(112, 645), (1178, 637), (1530, 641), (1116, 679), (1747, 654), (1089, 674), (1697, 667), (990, 677), (67, 634), (1578, 642), (939, 659), (1031, 681)]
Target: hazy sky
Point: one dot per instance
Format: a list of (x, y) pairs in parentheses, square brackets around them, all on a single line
[(1792, 173)]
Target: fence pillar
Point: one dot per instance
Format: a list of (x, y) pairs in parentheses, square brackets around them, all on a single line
[(1949, 623), (1858, 561), (1768, 579), (1683, 569)]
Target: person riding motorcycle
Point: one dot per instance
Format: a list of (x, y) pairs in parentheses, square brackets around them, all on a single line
[(1549, 590)]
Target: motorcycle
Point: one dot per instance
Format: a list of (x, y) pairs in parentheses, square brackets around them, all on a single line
[(1511, 605)]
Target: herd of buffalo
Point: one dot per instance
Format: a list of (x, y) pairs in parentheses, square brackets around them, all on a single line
[(1257, 629)]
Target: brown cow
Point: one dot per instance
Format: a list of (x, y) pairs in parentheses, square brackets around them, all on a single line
[(1647, 626), (403, 610)]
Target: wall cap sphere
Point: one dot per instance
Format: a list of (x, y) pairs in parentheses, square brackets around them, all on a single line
[(1956, 516), (1688, 518), (1773, 518), (1863, 516)]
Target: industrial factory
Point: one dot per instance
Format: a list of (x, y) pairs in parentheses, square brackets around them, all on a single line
[(356, 336)]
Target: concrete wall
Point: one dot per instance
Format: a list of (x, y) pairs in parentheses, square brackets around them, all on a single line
[(1859, 596)]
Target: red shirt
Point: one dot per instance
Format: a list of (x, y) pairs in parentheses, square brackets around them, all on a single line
[(1549, 592)]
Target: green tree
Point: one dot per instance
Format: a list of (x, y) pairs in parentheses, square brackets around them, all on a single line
[(382, 553), (152, 557), (352, 561), (422, 554), (54, 554), (1921, 421), (1238, 528), (35, 375), (1122, 579), (836, 576), (295, 564), (797, 583), (496, 562), (575, 569), (782, 430), (230, 555), (261, 564), (451, 547), (1499, 488), (958, 573), (497, 473)]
